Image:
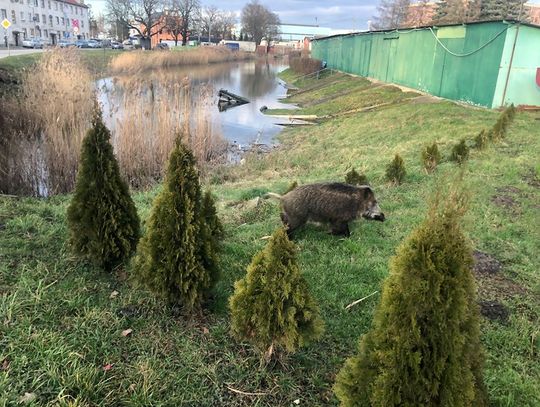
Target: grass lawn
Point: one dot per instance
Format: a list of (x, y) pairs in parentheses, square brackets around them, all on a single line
[(61, 320)]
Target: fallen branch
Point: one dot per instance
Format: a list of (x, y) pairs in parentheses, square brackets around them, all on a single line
[(352, 304), (245, 393)]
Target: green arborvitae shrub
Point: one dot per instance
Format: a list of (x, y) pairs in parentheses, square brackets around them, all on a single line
[(271, 306), (171, 258), (395, 172), (511, 112), (355, 178), (481, 140), (102, 219), (424, 345), (460, 152), (212, 235), (291, 186), (501, 126), (431, 157)]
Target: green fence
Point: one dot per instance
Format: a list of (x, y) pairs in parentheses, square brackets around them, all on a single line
[(454, 62)]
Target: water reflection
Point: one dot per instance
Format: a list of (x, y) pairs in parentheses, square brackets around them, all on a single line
[(242, 125)]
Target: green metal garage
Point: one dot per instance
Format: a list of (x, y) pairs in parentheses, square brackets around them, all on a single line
[(490, 64)]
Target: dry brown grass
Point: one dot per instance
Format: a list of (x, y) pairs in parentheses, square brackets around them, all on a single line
[(142, 61), (146, 115), (304, 65), (59, 94)]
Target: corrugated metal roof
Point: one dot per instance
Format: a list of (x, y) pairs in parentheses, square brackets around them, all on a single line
[(423, 27)]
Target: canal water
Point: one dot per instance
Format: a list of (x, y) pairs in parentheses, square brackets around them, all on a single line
[(242, 126)]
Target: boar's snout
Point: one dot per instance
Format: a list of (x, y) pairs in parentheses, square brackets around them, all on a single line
[(379, 217)]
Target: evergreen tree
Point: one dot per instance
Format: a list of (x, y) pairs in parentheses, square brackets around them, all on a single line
[(354, 178), (481, 140), (424, 345), (431, 157), (271, 307), (451, 12), (102, 219), (212, 230), (395, 172), (502, 9), (460, 152), (172, 256)]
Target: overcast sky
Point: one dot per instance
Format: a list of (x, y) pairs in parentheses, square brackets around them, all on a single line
[(345, 14)]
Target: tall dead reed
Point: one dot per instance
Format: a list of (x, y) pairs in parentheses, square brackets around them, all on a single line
[(142, 61), (304, 65), (146, 115), (58, 93)]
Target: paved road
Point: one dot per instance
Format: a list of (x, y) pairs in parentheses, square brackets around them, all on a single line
[(17, 51)]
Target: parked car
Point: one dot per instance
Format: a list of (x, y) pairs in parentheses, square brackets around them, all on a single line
[(162, 46), (32, 43), (66, 44), (117, 45), (82, 44), (94, 44), (128, 44)]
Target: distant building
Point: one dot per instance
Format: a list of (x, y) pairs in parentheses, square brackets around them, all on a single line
[(297, 32), (533, 11), (50, 20)]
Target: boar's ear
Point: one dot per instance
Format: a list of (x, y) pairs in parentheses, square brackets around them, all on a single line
[(367, 192)]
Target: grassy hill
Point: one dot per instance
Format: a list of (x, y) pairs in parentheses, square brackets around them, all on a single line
[(61, 321)]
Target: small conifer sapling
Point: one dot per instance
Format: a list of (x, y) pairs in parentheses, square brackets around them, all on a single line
[(424, 345), (271, 306), (355, 178), (460, 152), (481, 140), (171, 257), (395, 172), (431, 157), (102, 218)]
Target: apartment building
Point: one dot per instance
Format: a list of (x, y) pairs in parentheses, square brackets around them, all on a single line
[(50, 20)]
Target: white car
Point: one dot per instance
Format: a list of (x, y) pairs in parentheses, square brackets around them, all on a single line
[(32, 43)]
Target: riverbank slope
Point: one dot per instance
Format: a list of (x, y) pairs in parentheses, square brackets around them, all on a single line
[(62, 320)]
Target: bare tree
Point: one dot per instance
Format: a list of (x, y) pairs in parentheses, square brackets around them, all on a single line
[(226, 24), (208, 19), (391, 14), (172, 23), (258, 22), (140, 15), (186, 11)]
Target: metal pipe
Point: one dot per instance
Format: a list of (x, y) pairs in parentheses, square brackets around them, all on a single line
[(510, 64)]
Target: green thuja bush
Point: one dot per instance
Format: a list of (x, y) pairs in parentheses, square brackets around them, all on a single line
[(511, 112), (395, 172), (424, 345), (481, 140), (271, 306), (102, 219), (431, 157), (212, 233), (355, 178), (460, 152), (501, 126), (175, 257), (291, 186)]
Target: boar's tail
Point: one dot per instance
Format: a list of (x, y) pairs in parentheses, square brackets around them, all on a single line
[(272, 195)]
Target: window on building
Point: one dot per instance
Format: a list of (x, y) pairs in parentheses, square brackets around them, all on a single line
[(32, 32), (3, 12), (57, 20), (45, 33), (42, 3), (36, 18), (63, 21), (56, 5), (49, 4), (13, 17), (82, 23), (22, 17), (50, 21), (44, 19)]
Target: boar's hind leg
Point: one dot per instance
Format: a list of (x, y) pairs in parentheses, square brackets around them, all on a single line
[(341, 229)]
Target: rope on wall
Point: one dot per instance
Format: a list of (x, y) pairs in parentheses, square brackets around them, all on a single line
[(468, 53)]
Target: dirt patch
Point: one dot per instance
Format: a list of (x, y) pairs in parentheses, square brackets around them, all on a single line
[(509, 190), (494, 311), (504, 201), (532, 179), (485, 264)]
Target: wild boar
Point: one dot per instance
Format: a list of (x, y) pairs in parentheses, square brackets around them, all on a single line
[(335, 203)]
